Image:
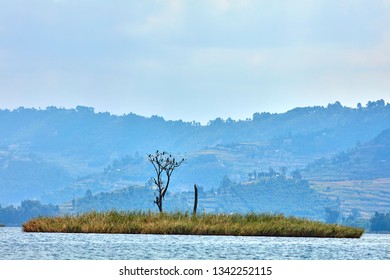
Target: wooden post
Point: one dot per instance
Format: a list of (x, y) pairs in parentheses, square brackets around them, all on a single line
[(196, 199)]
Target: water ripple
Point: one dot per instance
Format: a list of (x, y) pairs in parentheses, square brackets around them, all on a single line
[(15, 244)]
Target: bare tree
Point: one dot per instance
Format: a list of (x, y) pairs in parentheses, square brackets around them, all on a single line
[(164, 164)]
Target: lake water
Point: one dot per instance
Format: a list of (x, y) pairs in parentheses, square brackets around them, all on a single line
[(16, 244)]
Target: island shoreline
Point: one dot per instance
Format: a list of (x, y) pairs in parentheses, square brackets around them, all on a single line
[(251, 224)]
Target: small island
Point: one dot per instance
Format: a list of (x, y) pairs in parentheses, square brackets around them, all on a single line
[(184, 223), (251, 224)]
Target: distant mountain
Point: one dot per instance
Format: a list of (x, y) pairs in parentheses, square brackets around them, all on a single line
[(359, 178), (70, 151), (28, 177), (101, 137), (370, 160)]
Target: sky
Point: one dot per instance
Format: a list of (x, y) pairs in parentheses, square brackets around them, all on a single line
[(193, 60)]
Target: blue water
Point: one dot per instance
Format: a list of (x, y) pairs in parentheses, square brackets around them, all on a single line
[(15, 244)]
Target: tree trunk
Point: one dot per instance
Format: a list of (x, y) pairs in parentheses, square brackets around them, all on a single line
[(158, 202), (196, 199)]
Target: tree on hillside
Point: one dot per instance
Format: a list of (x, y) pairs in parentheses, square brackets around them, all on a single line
[(164, 164)]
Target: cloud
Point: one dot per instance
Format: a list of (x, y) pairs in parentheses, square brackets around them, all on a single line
[(224, 57), (164, 20)]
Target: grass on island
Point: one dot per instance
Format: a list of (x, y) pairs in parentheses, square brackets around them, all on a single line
[(187, 224)]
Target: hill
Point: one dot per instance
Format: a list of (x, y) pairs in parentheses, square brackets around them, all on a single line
[(75, 150), (359, 177), (28, 177), (370, 160), (102, 137)]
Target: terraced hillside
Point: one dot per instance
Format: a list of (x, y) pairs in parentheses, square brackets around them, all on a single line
[(359, 178), (364, 196), (90, 151)]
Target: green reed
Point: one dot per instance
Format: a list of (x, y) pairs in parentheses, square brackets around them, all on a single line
[(184, 223)]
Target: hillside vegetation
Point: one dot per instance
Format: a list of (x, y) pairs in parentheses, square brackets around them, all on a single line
[(99, 137), (370, 160), (358, 178), (83, 160), (271, 193)]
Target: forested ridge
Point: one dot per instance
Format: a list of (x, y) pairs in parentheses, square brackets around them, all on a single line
[(58, 155)]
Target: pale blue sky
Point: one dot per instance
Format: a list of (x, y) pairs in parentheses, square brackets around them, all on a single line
[(193, 60)]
